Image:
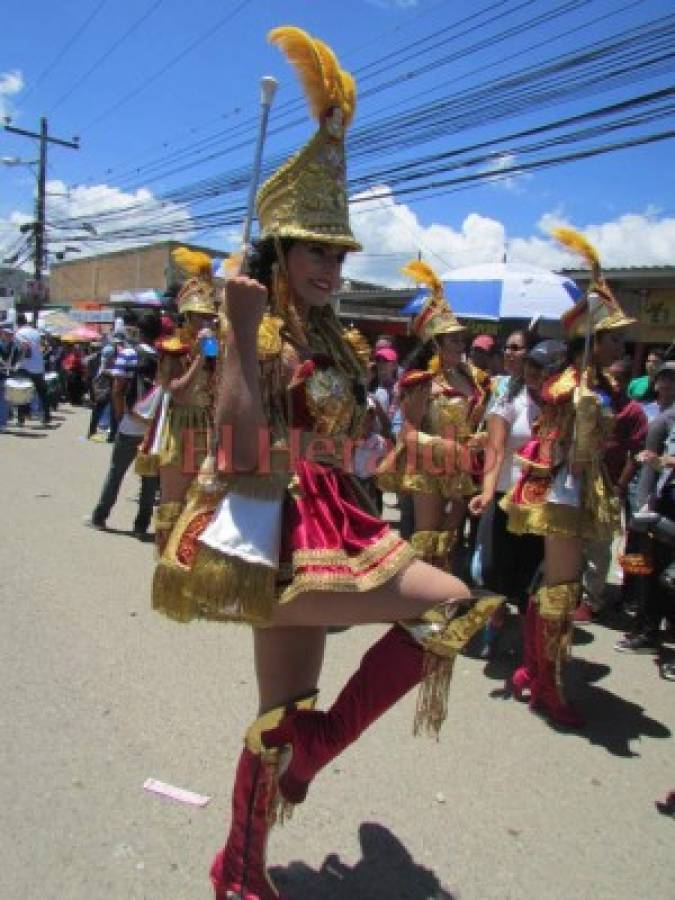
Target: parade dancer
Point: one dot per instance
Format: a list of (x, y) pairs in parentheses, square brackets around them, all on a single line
[(564, 493), (180, 434), (456, 408), (285, 543)]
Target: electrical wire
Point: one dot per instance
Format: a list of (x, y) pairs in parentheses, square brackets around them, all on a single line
[(66, 47), (99, 62), (200, 39)]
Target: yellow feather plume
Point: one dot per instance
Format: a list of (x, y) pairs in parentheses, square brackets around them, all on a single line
[(575, 241), (423, 274), (193, 262), (323, 81)]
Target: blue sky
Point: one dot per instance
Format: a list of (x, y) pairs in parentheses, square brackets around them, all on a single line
[(112, 73)]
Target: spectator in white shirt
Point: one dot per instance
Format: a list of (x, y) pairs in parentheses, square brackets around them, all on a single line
[(31, 365)]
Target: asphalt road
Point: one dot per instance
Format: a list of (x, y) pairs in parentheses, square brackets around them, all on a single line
[(100, 693)]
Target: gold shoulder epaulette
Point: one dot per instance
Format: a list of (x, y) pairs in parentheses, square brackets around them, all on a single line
[(560, 387)]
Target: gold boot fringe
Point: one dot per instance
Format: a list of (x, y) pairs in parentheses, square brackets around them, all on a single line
[(146, 465), (425, 544), (443, 638), (432, 698)]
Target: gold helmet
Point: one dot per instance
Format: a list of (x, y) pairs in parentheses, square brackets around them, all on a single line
[(306, 198), (435, 317), (598, 302), (197, 295)]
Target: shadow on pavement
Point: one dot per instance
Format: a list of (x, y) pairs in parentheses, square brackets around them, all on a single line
[(24, 432), (612, 721), (386, 872)]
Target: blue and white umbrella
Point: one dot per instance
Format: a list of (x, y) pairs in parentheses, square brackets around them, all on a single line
[(504, 291)]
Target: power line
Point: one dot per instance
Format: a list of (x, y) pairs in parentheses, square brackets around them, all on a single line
[(99, 62), (66, 47), (204, 36)]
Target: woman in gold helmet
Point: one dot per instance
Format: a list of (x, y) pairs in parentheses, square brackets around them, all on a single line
[(286, 542), (564, 492), (456, 407), (179, 437)]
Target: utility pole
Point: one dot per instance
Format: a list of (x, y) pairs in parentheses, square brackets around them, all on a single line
[(44, 138)]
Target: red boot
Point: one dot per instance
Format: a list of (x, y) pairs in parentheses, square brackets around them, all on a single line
[(389, 669), (553, 630), (238, 871), (525, 674), (404, 657)]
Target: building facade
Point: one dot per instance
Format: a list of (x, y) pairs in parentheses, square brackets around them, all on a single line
[(93, 279)]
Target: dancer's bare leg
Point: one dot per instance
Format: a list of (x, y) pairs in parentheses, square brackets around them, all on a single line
[(407, 595), (287, 663)]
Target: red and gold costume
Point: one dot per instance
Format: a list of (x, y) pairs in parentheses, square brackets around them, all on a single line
[(445, 437), (300, 523), (181, 432), (565, 491)]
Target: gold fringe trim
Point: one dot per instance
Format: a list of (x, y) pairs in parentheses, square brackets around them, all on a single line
[(356, 563), (146, 465), (226, 587), (556, 518), (557, 602), (431, 709), (424, 543), (181, 419), (166, 515), (384, 571), (170, 592)]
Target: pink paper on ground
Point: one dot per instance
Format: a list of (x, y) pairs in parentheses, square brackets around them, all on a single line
[(175, 793)]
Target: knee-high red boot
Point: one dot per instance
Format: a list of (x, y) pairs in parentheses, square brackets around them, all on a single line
[(553, 629), (404, 657), (239, 870), (526, 673)]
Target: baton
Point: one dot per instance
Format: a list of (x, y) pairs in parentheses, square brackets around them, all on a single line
[(268, 88)]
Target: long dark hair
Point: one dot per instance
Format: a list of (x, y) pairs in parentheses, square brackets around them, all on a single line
[(263, 256)]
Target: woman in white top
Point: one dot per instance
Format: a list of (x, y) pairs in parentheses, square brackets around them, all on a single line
[(506, 559)]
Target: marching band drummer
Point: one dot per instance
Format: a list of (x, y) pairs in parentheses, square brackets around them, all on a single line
[(290, 547)]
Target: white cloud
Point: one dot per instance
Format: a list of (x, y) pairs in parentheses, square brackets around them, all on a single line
[(391, 234), (11, 83), (386, 227), (508, 180), (110, 210)]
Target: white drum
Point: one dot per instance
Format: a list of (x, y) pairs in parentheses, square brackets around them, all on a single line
[(19, 391)]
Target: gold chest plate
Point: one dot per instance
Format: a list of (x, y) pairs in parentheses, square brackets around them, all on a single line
[(449, 414), (330, 400)]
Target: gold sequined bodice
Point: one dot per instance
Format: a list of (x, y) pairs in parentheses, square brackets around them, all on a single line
[(449, 414), (330, 401)]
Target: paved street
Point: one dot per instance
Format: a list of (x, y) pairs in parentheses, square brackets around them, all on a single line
[(99, 693)]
